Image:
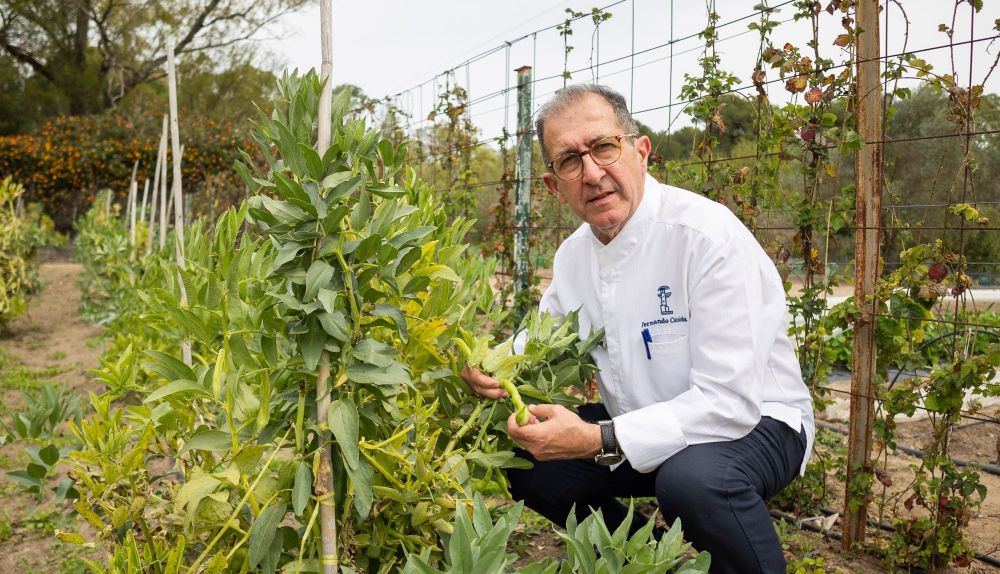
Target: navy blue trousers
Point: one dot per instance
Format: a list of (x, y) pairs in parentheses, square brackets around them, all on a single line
[(717, 490)]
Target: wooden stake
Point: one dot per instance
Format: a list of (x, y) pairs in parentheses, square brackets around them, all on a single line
[(131, 185), (868, 170), (142, 206), (158, 191), (175, 146), (324, 487), (163, 185), (160, 152), (133, 191)]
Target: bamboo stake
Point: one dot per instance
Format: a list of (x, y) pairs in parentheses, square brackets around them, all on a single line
[(133, 191), (129, 203), (175, 145), (142, 204), (324, 487), (142, 207), (163, 185), (160, 152)]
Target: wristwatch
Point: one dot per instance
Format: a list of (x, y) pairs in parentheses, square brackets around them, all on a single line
[(610, 453)]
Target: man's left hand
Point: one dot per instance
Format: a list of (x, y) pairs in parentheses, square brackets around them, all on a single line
[(561, 434)]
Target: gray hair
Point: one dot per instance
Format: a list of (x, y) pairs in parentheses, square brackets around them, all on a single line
[(570, 95)]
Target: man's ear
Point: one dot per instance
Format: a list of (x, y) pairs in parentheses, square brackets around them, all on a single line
[(553, 186), (643, 146)]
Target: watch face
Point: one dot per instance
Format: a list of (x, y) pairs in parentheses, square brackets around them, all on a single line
[(608, 459)]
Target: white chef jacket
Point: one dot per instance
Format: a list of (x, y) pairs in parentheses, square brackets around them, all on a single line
[(696, 346)]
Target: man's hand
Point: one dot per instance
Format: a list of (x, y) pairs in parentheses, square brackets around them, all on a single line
[(481, 384), (562, 435)]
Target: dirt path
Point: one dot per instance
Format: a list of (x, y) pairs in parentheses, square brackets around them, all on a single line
[(50, 345)]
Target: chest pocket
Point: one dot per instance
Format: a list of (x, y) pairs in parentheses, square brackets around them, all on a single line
[(667, 342)]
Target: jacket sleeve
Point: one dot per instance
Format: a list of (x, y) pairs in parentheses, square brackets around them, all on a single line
[(736, 307)]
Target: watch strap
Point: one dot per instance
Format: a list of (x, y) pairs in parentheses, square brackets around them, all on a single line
[(609, 445)]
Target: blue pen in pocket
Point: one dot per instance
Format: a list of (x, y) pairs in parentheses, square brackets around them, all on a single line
[(646, 340)]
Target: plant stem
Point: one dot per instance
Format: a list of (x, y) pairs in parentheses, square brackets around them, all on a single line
[(469, 421)]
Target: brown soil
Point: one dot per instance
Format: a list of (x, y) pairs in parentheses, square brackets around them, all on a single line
[(53, 338)]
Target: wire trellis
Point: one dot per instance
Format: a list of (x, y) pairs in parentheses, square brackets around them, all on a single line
[(779, 223)]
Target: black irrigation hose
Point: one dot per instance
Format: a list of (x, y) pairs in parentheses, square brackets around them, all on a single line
[(871, 522), (988, 467)]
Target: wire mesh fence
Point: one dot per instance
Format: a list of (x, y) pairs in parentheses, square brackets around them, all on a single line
[(759, 108)]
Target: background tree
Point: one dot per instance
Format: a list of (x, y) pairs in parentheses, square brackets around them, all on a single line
[(93, 53)]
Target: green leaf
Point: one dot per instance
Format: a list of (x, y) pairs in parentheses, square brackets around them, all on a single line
[(361, 483), (286, 253), (394, 374), (412, 235), (328, 299), (415, 285), (341, 183), (302, 488), (175, 387), (460, 546), (269, 346), (290, 189), (311, 345), (342, 416), (208, 439), (289, 148), (313, 162), (25, 479), (70, 537), (239, 353), (262, 532), (409, 257), (285, 212), (394, 313), (368, 247), (335, 325), (194, 491), (318, 276), (374, 353), (49, 455), (167, 366), (386, 190)]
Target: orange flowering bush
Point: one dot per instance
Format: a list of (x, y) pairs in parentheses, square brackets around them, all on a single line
[(64, 163)]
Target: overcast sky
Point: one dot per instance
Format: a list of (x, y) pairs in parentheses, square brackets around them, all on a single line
[(401, 47)]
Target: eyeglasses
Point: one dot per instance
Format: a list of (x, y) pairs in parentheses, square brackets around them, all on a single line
[(604, 151)]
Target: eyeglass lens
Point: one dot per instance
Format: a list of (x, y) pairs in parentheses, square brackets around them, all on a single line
[(604, 152)]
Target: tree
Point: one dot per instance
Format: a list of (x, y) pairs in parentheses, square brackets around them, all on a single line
[(95, 52)]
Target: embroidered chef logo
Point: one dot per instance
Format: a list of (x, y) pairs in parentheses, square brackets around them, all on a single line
[(664, 293)]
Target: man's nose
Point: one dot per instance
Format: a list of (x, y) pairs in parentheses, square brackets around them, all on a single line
[(592, 173)]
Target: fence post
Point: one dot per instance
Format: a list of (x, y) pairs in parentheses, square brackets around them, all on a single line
[(868, 171), (522, 193)]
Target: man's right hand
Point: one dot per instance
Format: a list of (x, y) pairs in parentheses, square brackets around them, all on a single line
[(482, 384)]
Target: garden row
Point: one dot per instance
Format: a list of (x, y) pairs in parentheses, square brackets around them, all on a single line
[(23, 231)]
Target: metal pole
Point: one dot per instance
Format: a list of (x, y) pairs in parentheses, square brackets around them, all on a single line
[(522, 193), (868, 170)]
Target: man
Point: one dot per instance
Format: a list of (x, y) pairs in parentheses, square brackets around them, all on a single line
[(703, 402)]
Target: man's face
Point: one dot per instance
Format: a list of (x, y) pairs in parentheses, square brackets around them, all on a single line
[(605, 197)]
